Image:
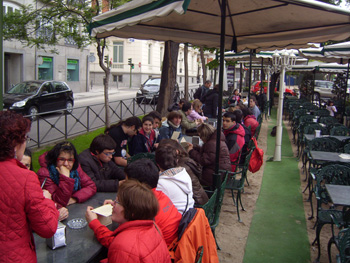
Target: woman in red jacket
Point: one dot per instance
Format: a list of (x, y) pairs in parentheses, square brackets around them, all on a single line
[(24, 207), (65, 180), (138, 238)]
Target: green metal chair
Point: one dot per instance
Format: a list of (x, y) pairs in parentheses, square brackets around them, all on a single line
[(346, 148), (212, 208), (235, 184), (138, 156), (322, 112), (341, 241), (330, 174), (339, 131), (199, 255)]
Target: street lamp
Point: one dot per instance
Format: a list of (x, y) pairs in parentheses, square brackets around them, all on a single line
[(281, 62)]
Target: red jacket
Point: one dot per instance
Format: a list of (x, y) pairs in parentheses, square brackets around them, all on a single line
[(235, 141), (134, 242), (23, 209), (251, 121), (65, 190), (168, 218)]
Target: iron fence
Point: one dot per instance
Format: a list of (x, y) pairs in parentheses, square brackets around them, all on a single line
[(60, 125)]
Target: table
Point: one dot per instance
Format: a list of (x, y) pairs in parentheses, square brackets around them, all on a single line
[(82, 246), (310, 137), (340, 194), (328, 157)]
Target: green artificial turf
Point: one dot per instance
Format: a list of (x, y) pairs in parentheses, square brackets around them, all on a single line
[(278, 232)]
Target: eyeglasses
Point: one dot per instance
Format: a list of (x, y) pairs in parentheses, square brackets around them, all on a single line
[(109, 153), (63, 160), (116, 202)]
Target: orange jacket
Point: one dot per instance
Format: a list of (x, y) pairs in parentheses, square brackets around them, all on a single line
[(197, 233)]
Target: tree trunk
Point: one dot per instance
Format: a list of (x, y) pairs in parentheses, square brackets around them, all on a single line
[(186, 71), (203, 65), (168, 81), (106, 69)]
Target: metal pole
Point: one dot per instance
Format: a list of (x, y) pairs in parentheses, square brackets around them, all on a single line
[(250, 75), (130, 77), (216, 175), (278, 145), (1, 60)]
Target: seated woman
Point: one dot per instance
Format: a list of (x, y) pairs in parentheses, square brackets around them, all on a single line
[(249, 119), (236, 97), (65, 180), (205, 155), (97, 163), (192, 168), (172, 124), (145, 140), (27, 162), (197, 112), (137, 239)]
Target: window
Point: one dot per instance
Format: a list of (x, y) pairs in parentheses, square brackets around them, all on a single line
[(45, 30), (45, 71), (118, 52), (72, 70), (118, 78), (149, 53), (69, 39), (59, 86), (10, 8)]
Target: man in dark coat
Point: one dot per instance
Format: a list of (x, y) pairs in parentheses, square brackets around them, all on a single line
[(97, 163), (202, 91), (210, 108)]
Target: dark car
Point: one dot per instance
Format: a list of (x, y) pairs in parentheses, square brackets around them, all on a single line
[(149, 91), (33, 97)]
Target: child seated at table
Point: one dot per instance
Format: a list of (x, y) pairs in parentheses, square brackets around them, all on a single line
[(137, 239), (171, 125), (145, 141), (168, 217), (65, 180)]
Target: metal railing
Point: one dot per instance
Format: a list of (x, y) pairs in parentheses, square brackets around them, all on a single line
[(50, 127)]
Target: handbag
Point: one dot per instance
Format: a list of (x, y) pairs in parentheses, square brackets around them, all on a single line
[(257, 158)]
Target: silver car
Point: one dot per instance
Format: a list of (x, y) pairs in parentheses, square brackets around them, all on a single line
[(323, 89)]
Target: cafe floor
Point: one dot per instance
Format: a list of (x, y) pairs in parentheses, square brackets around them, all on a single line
[(274, 227)]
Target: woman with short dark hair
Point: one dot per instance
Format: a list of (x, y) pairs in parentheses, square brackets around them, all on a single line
[(24, 207), (63, 176), (172, 124), (205, 154), (97, 163), (137, 238)]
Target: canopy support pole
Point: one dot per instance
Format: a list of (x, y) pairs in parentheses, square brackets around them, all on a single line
[(217, 179)]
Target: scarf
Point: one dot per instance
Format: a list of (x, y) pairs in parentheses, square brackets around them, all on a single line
[(173, 125), (55, 177), (150, 139)]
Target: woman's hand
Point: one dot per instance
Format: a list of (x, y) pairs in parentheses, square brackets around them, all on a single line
[(110, 201), (89, 215), (63, 213), (72, 201), (47, 194), (190, 147), (63, 170)]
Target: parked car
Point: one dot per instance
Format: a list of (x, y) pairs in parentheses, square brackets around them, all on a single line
[(323, 89), (256, 87), (149, 91), (36, 96)]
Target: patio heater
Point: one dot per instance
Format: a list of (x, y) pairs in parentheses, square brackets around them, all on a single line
[(281, 62)]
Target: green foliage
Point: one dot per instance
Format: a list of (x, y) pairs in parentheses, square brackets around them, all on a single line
[(50, 22), (306, 86), (340, 86)]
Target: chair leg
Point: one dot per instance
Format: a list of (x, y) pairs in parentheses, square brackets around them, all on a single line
[(329, 247), (216, 242), (317, 239), (240, 199), (233, 198), (247, 180), (239, 218)]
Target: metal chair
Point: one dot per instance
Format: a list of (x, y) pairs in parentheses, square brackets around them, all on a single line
[(339, 131), (237, 185), (341, 241), (330, 174)]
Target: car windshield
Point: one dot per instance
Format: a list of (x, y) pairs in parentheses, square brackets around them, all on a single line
[(153, 82), (323, 84), (25, 88)]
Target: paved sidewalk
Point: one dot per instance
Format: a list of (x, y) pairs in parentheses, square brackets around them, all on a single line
[(98, 91)]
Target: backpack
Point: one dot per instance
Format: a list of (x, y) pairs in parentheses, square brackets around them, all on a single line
[(257, 158)]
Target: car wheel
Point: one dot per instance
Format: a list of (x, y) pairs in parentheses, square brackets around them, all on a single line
[(138, 100), (33, 112), (69, 107)]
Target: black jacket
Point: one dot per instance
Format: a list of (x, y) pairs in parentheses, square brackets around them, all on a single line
[(210, 102)]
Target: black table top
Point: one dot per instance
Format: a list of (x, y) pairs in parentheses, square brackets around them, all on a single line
[(340, 194), (310, 137), (328, 157), (82, 245)]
